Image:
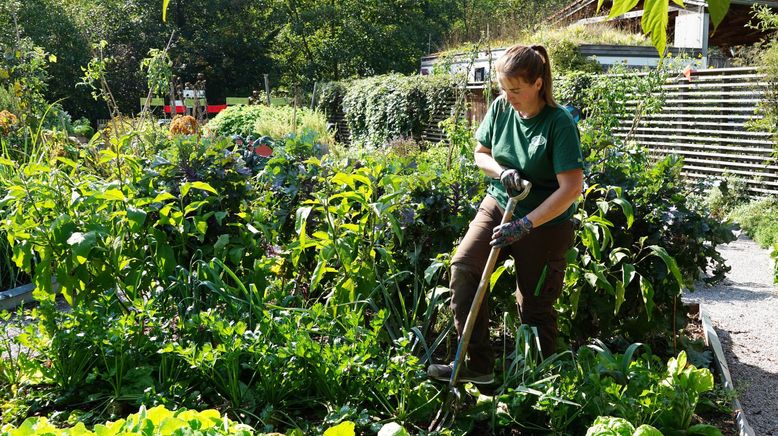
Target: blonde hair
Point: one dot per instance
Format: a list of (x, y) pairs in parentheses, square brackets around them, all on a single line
[(528, 63)]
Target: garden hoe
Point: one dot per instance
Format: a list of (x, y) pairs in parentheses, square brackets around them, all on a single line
[(446, 413)]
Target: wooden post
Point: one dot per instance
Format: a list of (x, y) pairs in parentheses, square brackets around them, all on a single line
[(267, 89)]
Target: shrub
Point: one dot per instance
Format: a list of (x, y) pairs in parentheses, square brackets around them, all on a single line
[(757, 219), (381, 108), (273, 121), (725, 195)]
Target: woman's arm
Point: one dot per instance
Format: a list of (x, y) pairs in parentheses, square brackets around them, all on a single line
[(485, 161), (570, 185)]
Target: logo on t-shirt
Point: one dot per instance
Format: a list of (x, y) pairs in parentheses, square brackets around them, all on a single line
[(537, 142)]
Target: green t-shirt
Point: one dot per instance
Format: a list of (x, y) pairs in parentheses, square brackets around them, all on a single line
[(539, 147)]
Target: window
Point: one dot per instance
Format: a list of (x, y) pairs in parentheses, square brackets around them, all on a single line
[(480, 74)]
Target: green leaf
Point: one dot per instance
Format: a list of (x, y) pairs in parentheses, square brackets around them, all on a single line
[(702, 380), (343, 179), (589, 238), (627, 273), (221, 242), (318, 274), (396, 229), (496, 275), (6, 162), (114, 195), (669, 262), (345, 428), (300, 220), (301, 217), (717, 10), (432, 271), (621, 7), (204, 187), (64, 160), (162, 196), (136, 217), (164, 10), (626, 207), (165, 258), (647, 430), (647, 290), (81, 244), (619, 291), (541, 280), (654, 23), (393, 429)]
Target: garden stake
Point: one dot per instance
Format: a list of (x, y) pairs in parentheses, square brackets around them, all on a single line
[(447, 411)]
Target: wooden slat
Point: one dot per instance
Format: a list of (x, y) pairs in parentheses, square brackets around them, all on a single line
[(733, 127), (766, 152), (750, 174), (701, 116), (721, 132), (715, 92), (707, 109), (725, 85), (753, 161), (682, 138), (739, 165)]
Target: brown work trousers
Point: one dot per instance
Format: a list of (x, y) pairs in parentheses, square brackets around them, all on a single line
[(545, 246)]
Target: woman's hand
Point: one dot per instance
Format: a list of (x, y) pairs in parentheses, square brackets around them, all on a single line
[(508, 233), (511, 180)]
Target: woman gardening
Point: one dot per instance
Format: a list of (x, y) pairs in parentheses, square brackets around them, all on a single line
[(524, 135)]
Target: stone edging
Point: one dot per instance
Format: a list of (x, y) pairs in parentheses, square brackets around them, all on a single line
[(12, 298), (712, 340)]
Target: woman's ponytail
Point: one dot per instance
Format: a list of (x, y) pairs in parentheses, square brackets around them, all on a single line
[(548, 85)]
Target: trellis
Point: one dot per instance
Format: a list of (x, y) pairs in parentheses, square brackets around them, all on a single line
[(704, 120)]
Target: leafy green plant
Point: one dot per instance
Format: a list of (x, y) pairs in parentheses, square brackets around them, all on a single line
[(679, 394), (605, 265), (16, 365), (612, 426), (156, 420)]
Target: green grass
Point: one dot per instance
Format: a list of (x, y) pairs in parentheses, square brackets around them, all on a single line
[(577, 34)]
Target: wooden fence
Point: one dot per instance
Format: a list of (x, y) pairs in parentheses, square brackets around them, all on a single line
[(704, 120)]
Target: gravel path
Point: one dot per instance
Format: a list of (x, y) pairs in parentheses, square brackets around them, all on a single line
[(744, 312)]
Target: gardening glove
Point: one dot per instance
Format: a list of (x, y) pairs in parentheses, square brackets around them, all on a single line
[(511, 180), (508, 233)]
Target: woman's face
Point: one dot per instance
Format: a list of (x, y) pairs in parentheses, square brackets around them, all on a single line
[(523, 96)]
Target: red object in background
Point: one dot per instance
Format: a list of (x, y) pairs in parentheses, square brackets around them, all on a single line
[(688, 71), (212, 108), (263, 150)]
